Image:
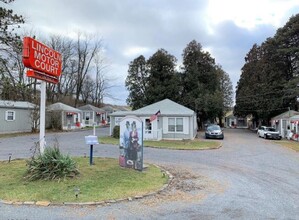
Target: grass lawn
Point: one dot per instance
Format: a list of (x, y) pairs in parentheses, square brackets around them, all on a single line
[(105, 180), (290, 144), (9, 135), (176, 145)]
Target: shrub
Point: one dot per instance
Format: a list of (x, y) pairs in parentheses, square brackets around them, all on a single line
[(51, 165), (115, 133)]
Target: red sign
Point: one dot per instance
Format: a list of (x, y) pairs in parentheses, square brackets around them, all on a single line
[(42, 76), (41, 58)]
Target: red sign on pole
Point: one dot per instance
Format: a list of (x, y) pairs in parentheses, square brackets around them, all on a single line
[(41, 58), (42, 76)]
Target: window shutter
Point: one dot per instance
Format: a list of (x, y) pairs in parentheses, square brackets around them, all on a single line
[(165, 125), (186, 125)]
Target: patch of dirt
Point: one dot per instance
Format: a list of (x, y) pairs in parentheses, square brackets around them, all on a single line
[(186, 187)]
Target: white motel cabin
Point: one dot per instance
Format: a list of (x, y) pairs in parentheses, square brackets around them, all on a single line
[(175, 121)]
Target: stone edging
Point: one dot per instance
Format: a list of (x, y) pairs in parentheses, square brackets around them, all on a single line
[(102, 203)]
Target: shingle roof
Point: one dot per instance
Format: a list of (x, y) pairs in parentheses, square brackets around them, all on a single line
[(285, 115), (16, 104), (62, 107), (166, 107), (91, 108)]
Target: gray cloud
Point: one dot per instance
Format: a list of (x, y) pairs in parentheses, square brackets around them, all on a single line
[(147, 25)]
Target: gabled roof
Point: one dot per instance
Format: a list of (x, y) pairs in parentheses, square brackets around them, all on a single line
[(122, 108), (90, 108), (295, 117), (285, 115), (62, 107), (166, 107), (16, 104), (108, 108)]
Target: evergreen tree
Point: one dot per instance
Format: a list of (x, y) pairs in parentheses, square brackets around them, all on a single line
[(267, 86), (200, 82), (136, 82), (163, 79), (9, 21)]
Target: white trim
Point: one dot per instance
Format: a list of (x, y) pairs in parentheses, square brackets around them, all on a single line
[(175, 125), (13, 115)]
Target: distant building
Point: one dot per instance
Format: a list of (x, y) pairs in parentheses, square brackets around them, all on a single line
[(93, 115), (284, 122), (232, 121), (63, 117)]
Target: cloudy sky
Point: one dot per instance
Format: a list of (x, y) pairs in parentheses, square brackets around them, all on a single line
[(129, 28)]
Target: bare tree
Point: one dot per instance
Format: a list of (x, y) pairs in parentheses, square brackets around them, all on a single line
[(102, 84), (87, 89), (14, 84), (86, 49), (66, 85)]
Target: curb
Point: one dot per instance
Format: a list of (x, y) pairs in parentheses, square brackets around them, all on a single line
[(97, 203)]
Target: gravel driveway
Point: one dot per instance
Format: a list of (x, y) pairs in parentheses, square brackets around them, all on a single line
[(248, 178)]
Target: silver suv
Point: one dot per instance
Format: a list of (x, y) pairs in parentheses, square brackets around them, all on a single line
[(268, 133)]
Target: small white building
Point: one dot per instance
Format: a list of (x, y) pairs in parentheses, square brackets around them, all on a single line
[(175, 122), (92, 115), (62, 116), (282, 122)]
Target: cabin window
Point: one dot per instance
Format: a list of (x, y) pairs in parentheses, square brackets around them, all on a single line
[(10, 115), (175, 125)]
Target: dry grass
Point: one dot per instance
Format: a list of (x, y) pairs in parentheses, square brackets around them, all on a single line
[(171, 144), (290, 144)]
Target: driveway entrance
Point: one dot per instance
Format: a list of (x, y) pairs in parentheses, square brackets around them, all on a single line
[(248, 178)]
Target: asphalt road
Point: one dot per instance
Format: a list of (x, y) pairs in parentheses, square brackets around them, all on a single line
[(248, 178)]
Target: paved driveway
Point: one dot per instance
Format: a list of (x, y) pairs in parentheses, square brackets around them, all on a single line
[(248, 178)]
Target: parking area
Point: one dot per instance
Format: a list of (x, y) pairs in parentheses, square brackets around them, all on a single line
[(247, 178)]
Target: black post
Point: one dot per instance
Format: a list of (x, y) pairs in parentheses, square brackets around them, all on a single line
[(90, 157)]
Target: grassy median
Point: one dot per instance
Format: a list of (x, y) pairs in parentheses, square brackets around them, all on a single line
[(170, 144), (290, 144), (105, 180)]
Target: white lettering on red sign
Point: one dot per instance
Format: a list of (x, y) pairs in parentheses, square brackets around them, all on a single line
[(45, 58)]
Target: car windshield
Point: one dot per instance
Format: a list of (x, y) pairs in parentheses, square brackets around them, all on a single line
[(271, 129), (214, 127)]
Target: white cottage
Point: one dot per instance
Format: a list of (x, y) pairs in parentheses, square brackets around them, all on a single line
[(62, 116), (282, 122), (92, 115), (175, 122)]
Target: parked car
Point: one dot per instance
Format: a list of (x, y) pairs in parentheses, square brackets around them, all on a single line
[(268, 133), (214, 131)]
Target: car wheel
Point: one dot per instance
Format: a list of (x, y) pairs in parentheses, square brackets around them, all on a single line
[(265, 136)]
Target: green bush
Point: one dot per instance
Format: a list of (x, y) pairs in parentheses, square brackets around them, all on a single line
[(51, 165), (115, 133)]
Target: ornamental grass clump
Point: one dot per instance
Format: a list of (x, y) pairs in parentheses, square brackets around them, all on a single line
[(51, 165)]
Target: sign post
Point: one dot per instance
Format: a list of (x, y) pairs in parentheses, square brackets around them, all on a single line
[(42, 117), (91, 140), (44, 64)]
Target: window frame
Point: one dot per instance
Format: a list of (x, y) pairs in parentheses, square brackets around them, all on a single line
[(7, 115), (175, 125)]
